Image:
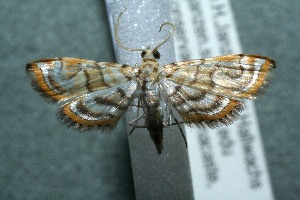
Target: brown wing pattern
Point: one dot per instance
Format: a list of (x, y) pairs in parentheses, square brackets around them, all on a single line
[(234, 76), (201, 108), (97, 94), (59, 79), (101, 109), (207, 91)]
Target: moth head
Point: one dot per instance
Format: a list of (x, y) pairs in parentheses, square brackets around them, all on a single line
[(150, 54)]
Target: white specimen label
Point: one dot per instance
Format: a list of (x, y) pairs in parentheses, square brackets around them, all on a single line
[(226, 163)]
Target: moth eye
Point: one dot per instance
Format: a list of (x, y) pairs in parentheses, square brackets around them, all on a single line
[(143, 54), (156, 54)]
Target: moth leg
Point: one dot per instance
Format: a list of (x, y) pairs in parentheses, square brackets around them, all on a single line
[(174, 123), (131, 131), (138, 111), (168, 121), (138, 126), (172, 115), (177, 123), (133, 123)]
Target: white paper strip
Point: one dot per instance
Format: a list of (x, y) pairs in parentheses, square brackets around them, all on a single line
[(165, 176), (226, 163)]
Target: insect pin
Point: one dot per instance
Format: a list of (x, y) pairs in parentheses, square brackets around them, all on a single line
[(203, 92)]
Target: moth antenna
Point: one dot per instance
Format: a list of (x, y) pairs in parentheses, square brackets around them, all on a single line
[(117, 37), (167, 38)]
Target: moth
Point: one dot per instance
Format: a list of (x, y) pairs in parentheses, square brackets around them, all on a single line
[(203, 92)]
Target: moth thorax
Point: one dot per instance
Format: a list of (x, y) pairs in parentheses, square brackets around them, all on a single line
[(148, 70)]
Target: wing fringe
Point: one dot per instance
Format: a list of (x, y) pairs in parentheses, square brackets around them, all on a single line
[(226, 120), (70, 123)]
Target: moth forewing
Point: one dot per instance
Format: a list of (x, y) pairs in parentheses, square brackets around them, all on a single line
[(207, 91)]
